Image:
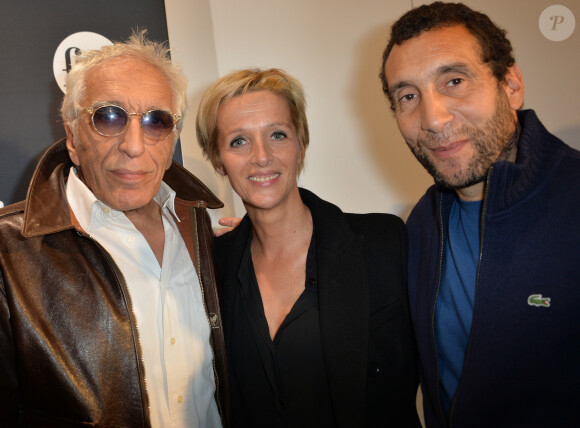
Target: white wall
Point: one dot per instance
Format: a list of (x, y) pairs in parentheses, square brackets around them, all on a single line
[(357, 158)]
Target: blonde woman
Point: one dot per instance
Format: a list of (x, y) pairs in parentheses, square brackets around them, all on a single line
[(314, 300)]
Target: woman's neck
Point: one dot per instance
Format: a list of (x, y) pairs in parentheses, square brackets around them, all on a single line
[(285, 228)]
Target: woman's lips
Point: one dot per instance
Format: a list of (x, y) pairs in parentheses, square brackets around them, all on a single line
[(264, 178)]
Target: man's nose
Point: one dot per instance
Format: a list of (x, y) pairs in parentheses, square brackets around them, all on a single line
[(435, 112), (133, 143)]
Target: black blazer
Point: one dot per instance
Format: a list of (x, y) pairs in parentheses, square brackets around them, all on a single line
[(367, 339)]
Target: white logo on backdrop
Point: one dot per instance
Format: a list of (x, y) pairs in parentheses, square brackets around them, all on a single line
[(557, 23), (70, 48)]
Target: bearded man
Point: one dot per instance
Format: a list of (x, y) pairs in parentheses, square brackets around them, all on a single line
[(494, 275)]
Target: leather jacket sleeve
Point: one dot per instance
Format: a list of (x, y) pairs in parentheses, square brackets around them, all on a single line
[(8, 378)]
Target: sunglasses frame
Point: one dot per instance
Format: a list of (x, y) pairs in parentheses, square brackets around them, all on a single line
[(93, 109)]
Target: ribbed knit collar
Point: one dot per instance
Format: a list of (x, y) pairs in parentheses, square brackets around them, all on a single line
[(539, 153)]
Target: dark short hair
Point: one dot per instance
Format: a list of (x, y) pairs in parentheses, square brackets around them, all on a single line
[(496, 49)]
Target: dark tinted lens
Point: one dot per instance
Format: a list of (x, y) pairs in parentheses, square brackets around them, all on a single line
[(110, 120), (157, 124)]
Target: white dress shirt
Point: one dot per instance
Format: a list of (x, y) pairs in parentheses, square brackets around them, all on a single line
[(168, 305)]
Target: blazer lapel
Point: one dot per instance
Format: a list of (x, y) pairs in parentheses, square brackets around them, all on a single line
[(343, 309)]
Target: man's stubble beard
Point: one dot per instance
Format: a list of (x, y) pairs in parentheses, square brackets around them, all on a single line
[(495, 142)]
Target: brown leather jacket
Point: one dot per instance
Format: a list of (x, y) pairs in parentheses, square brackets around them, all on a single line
[(69, 348)]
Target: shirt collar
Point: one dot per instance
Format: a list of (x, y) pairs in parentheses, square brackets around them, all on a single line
[(85, 204)]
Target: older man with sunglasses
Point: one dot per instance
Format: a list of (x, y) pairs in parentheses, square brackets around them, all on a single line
[(108, 301)]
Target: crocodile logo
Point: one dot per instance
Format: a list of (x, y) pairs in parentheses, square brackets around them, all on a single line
[(538, 300)]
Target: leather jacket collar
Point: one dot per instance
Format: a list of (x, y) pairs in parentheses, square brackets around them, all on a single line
[(46, 207)]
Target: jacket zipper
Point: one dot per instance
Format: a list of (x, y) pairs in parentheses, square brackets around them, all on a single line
[(198, 264), (202, 204), (134, 329), (441, 250), (481, 234)]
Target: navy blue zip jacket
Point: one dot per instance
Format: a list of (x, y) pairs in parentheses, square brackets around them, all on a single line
[(522, 362)]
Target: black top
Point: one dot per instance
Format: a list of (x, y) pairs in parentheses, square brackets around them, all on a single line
[(366, 338), (284, 379)]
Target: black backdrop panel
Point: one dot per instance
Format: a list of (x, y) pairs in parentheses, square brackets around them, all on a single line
[(30, 33)]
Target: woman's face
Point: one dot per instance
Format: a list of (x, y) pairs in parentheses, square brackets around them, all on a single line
[(259, 149)]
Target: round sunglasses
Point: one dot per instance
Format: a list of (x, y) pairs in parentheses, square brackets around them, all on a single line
[(111, 120)]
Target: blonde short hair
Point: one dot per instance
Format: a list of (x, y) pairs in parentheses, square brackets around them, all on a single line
[(241, 82)]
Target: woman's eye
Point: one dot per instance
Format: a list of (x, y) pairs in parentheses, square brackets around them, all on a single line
[(278, 135), (237, 142)]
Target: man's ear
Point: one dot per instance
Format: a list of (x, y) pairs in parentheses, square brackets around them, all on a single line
[(70, 145), (170, 160), (514, 87)]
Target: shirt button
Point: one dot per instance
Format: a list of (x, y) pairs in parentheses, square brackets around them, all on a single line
[(173, 340), (106, 210), (373, 369), (131, 239), (180, 399)]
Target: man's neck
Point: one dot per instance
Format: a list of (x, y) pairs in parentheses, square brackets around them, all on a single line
[(149, 221), (475, 192)]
